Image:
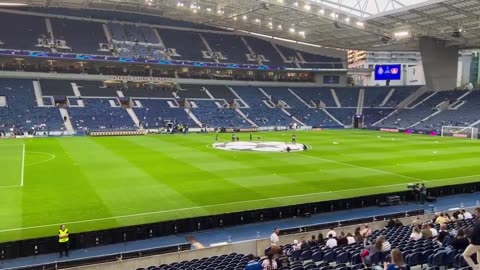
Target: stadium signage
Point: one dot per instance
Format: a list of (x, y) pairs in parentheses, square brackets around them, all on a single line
[(388, 72), (140, 79), (390, 130)]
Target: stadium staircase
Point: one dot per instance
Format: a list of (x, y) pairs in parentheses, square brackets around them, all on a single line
[(334, 95), (247, 45), (301, 100), (246, 118), (412, 97), (361, 98), (48, 24), (293, 117), (423, 100), (193, 117), (38, 93), (66, 122), (425, 119), (475, 123), (134, 116), (333, 118), (76, 91), (387, 97), (107, 32)]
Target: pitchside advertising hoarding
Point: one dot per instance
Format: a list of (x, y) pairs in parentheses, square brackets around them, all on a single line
[(388, 72)]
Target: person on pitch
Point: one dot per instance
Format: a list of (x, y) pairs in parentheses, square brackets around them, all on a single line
[(251, 137), (294, 138)]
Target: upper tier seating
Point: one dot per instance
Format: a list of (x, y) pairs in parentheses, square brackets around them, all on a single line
[(321, 61), (231, 47), (192, 91), (56, 88), (259, 112), (313, 94), (129, 32), (260, 46), (211, 115), (21, 31), (21, 111), (81, 36), (191, 50), (155, 111), (142, 92), (348, 97), (99, 114)]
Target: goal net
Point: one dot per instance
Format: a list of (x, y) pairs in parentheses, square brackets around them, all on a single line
[(460, 132)]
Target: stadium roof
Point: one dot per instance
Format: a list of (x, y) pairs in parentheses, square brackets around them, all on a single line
[(349, 24)]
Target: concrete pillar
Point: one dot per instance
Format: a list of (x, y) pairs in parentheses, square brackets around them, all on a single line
[(440, 63)]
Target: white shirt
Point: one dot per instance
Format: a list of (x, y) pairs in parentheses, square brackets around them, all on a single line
[(331, 243), (434, 232), (274, 239), (467, 215), (460, 217), (415, 236), (351, 240), (333, 233)]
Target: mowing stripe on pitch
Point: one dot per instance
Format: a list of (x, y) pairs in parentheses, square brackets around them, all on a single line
[(23, 165), (220, 204)]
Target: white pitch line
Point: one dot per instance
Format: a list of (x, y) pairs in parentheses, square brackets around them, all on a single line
[(52, 156), (363, 168), (23, 166), (210, 206)]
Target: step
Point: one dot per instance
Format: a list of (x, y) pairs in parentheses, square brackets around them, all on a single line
[(334, 95), (387, 97), (66, 122), (333, 118), (38, 93), (194, 118), (246, 118), (299, 98), (134, 117)]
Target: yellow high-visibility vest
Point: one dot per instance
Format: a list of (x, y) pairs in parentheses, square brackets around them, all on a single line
[(61, 234)]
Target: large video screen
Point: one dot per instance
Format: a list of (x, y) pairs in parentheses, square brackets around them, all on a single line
[(388, 72)]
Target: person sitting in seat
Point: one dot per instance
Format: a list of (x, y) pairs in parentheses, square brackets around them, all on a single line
[(252, 263), (397, 262), (331, 242)]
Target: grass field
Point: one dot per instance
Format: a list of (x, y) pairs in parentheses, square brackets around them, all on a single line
[(95, 183)]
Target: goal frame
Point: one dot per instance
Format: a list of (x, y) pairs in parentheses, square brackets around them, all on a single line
[(470, 132)]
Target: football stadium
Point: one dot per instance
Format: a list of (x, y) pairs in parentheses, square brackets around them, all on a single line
[(248, 134)]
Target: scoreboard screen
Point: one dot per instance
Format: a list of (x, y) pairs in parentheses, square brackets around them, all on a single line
[(388, 72)]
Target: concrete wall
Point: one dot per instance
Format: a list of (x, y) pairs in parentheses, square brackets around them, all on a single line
[(440, 64)]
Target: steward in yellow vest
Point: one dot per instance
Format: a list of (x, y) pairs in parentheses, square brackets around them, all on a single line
[(63, 240)]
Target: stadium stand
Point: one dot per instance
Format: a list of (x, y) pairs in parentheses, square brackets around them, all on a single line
[(258, 111), (192, 91), (348, 97), (216, 113), (191, 50), (220, 92), (25, 34), (146, 93), (343, 115), (21, 111), (155, 112), (81, 36), (231, 47), (56, 88), (399, 94), (98, 114), (96, 91), (265, 48), (316, 95)]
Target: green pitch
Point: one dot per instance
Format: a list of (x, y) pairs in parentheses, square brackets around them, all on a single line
[(96, 183)]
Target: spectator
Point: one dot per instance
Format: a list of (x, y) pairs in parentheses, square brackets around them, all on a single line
[(416, 234), (366, 232), (274, 239), (253, 264), (391, 223), (350, 239), (269, 263), (320, 239), (341, 240), (304, 245), (296, 246), (443, 236), (460, 242), (474, 246), (433, 230), (358, 235), (466, 215), (426, 232), (441, 219), (417, 221), (332, 232), (331, 242), (380, 245), (312, 241), (397, 261), (456, 228)]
